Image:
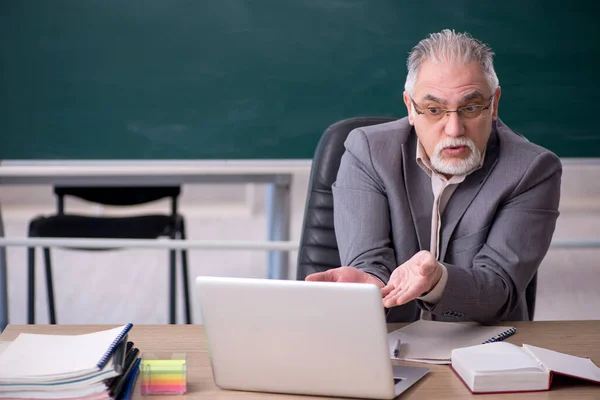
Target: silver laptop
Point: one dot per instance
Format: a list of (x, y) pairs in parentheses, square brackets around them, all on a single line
[(311, 338)]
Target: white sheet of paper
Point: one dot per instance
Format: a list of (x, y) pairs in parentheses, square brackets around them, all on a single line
[(565, 364), (35, 356), (432, 342), (498, 358)]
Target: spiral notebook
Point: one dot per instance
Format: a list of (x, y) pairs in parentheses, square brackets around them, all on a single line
[(432, 342), (50, 359)]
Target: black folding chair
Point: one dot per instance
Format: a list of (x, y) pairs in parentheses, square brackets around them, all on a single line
[(64, 225)]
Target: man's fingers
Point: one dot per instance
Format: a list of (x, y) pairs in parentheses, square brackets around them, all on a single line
[(344, 274), (393, 294), (428, 268), (325, 276), (407, 296), (390, 300), (386, 290), (395, 291), (401, 297), (420, 257), (425, 261)]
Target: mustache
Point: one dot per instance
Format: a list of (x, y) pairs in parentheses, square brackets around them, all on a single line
[(455, 142)]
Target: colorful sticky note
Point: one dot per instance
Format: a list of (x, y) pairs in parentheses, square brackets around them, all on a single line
[(163, 373)]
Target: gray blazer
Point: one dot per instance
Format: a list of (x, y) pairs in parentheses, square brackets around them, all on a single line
[(496, 228)]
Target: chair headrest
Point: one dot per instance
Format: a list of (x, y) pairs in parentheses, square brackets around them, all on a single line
[(329, 151)]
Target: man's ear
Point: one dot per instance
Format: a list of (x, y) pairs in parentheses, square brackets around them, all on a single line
[(496, 101), (409, 107)]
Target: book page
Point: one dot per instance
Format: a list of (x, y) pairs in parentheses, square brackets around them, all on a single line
[(54, 356), (565, 364), (433, 341), (497, 357), (3, 346)]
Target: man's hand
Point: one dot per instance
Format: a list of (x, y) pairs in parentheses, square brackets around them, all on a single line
[(412, 279), (344, 274)]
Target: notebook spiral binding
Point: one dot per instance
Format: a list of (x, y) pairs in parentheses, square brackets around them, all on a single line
[(113, 345), (500, 337)]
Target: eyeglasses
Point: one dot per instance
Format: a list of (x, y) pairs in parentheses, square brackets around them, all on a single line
[(437, 113)]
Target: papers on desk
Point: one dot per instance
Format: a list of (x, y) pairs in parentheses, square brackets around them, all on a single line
[(3, 346), (432, 342), (88, 366)]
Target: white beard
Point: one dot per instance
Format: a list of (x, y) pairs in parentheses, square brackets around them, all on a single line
[(456, 166)]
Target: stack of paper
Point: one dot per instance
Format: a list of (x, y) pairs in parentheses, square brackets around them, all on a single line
[(432, 342), (35, 366)]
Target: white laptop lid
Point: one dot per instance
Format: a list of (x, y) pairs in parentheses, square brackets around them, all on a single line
[(299, 337)]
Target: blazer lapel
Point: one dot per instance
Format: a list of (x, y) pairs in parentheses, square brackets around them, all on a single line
[(419, 192), (466, 192)]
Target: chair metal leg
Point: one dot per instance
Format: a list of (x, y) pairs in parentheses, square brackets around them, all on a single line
[(31, 285), (185, 276), (172, 287), (49, 286), (186, 286)]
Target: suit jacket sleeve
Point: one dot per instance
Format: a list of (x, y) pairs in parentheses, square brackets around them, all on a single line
[(361, 211), (492, 287)]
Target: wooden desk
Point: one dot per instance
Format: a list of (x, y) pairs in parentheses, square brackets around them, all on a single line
[(580, 338)]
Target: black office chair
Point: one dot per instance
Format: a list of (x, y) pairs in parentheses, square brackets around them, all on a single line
[(66, 225), (318, 246), (530, 295)]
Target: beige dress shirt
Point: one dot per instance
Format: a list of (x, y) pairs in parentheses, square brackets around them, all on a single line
[(442, 191)]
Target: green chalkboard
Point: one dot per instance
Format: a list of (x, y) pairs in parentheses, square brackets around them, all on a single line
[(248, 79)]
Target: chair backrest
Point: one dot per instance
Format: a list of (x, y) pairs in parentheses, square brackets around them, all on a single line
[(118, 195), (318, 246), (530, 294)]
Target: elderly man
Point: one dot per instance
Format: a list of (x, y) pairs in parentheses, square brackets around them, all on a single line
[(447, 210)]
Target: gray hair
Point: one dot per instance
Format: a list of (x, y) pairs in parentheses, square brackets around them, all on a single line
[(448, 45)]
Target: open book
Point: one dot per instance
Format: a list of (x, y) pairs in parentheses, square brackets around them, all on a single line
[(504, 367), (432, 342)]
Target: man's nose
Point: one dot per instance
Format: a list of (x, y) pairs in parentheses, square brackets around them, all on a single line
[(454, 126)]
